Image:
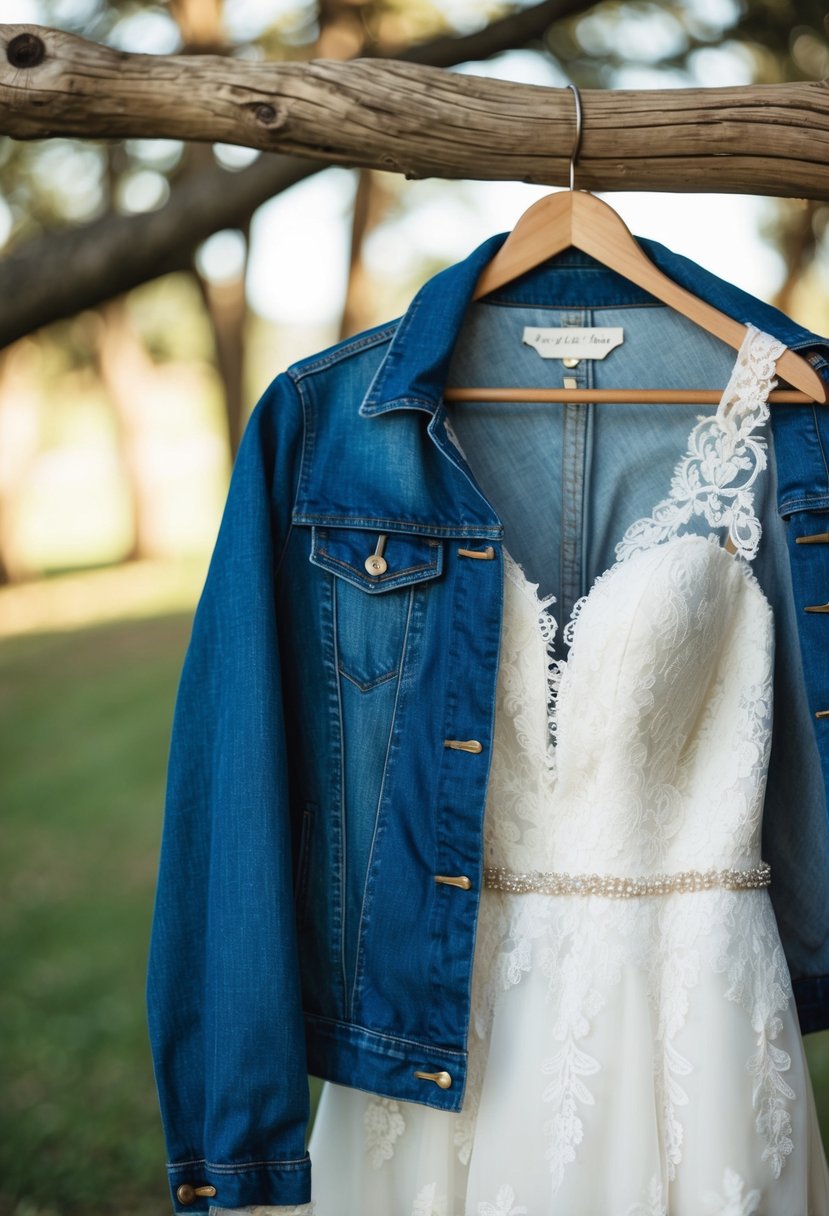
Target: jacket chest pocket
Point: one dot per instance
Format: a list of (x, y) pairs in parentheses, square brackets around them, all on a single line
[(377, 577)]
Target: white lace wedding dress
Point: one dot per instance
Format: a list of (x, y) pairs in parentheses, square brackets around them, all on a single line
[(634, 1046)]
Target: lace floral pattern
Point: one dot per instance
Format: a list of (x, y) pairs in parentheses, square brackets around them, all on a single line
[(734, 1200), (716, 477), (383, 1123)]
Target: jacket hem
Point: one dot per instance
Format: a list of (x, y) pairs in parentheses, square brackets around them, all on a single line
[(271, 1183), (384, 1064)]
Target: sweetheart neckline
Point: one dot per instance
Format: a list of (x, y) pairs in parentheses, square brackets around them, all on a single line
[(554, 667), (542, 603)]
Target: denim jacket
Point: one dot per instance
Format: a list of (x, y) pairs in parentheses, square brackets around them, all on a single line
[(321, 857)]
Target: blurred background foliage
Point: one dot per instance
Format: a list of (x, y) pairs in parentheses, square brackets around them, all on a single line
[(118, 423)]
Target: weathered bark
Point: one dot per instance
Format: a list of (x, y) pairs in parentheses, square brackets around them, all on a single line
[(420, 121)]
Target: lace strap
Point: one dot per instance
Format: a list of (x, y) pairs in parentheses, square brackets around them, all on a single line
[(725, 456)]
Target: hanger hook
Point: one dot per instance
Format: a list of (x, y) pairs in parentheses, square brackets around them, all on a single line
[(577, 140)]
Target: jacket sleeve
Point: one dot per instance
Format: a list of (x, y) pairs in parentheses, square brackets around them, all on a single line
[(223, 995)]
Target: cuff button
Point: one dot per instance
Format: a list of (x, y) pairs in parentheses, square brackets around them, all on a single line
[(186, 1193)]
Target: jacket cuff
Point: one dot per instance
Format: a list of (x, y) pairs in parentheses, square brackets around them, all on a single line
[(197, 1186)]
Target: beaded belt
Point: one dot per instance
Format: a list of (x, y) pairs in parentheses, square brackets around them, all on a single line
[(552, 883)]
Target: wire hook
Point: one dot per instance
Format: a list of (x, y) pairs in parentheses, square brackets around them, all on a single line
[(577, 140)]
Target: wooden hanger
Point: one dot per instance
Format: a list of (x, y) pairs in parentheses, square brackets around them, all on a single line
[(577, 219)]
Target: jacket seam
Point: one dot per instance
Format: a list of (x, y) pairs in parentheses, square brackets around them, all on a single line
[(425, 569), (290, 528), (342, 901), (509, 302), (308, 442), (820, 442), (428, 404), (298, 371), (304, 517), (219, 1167), (818, 502), (379, 825), (382, 1037)]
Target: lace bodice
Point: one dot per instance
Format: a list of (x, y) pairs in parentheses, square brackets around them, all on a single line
[(645, 750)]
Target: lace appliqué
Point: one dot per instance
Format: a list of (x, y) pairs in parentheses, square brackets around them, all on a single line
[(653, 1205), (547, 628), (504, 1205), (734, 1200), (383, 1125), (716, 477), (429, 1203), (759, 981)]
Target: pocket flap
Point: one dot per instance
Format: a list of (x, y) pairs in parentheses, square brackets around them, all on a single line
[(408, 558)]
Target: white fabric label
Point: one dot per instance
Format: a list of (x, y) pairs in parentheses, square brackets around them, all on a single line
[(572, 342)]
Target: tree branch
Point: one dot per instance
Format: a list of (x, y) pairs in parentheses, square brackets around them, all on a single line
[(516, 29), (115, 253), (421, 121), (769, 140), (60, 274)]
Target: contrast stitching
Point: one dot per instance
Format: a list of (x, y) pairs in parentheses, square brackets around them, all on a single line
[(820, 441), (428, 1048), (298, 371), (401, 525), (219, 1167), (376, 580)]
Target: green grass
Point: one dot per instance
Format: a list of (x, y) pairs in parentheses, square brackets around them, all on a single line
[(84, 723), (84, 726)]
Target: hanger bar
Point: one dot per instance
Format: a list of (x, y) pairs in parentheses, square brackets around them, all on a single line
[(575, 218), (621, 396)]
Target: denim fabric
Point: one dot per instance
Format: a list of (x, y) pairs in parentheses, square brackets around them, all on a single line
[(311, 798)]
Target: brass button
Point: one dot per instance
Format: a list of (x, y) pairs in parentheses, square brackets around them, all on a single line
[(186, 1193), (442, 1079), (571, 362), (459, 880), (464, 745), (377, 564)]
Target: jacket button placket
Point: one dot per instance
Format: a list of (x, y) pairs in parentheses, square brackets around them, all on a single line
[(478, 639), (815, 538)]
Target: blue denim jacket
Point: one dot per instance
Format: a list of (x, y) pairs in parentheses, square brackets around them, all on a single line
[(317, 799)]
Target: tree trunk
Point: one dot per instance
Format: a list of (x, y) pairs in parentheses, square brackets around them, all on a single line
[(19, 442), (370, 204), (128, 373)]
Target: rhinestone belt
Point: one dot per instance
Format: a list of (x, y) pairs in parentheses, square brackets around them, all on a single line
[(552, 883)]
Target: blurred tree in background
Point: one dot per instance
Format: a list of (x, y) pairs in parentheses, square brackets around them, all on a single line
[(131, 356)]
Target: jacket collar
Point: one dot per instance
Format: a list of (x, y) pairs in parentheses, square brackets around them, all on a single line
[(413, 371), (414, 368)]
